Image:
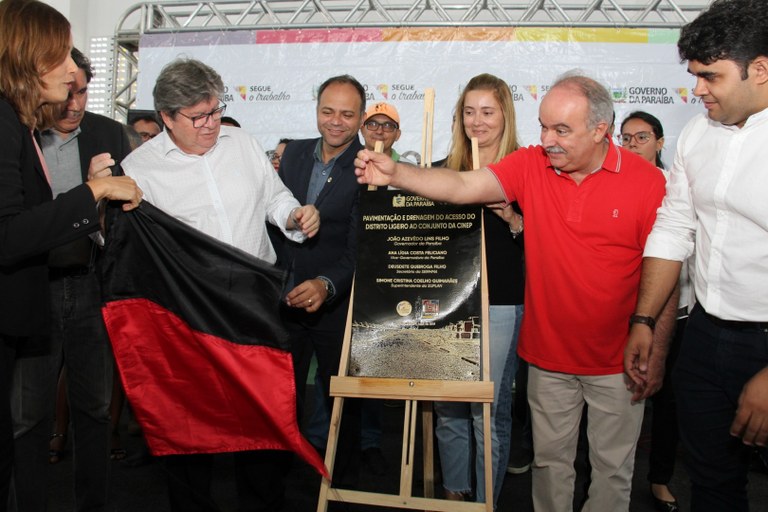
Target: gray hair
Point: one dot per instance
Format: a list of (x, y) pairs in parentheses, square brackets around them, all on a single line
[(598, 97), (183, 83)]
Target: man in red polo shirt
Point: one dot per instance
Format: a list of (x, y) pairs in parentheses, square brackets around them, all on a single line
[(588, 207)]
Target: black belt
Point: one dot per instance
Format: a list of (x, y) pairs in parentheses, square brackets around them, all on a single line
[(77, 271), (736, 325)]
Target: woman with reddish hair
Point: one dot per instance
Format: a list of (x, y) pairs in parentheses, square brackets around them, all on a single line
[(35, 75)]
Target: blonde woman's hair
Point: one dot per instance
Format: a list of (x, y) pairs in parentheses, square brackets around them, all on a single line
[(460, 152), (34, 39)]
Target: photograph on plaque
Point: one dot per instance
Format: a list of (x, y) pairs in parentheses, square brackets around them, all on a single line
[(417, 303)]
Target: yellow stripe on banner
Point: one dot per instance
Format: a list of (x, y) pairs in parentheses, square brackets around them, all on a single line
[(583, 35), (448, 34), (523, 34)]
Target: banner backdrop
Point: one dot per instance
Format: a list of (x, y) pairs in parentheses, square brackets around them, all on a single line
[(271, 77)]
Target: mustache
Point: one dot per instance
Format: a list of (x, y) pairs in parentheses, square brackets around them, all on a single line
[(554, 150)]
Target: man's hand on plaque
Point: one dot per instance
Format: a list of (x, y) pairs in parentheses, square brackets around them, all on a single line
[(374, 168)]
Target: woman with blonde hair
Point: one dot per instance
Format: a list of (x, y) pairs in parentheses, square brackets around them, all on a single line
[(485, 111), (36, 72)]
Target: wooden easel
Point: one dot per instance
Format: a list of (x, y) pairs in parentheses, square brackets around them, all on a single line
[(412, 391)]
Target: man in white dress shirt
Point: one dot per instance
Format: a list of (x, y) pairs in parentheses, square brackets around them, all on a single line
[(218, 180), (716, 202)]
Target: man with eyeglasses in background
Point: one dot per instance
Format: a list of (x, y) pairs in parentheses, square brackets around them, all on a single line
[(147, 126), (217, 180), (382, 123), (275, 155)]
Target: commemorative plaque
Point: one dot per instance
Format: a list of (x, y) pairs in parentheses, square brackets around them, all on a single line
[(417, 305)]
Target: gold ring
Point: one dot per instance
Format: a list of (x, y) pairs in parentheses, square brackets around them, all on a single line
[(310, 301)]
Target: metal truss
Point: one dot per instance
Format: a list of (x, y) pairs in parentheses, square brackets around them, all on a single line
[(190, 16)]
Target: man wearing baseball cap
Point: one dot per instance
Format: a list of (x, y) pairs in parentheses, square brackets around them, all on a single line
[(381, 123)]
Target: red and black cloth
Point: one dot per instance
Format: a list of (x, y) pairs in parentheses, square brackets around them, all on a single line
[(197, 336)]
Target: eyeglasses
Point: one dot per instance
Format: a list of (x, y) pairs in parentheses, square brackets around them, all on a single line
[(640, 138), (202, 119), (387, 126), (274, 156), (145, 136)]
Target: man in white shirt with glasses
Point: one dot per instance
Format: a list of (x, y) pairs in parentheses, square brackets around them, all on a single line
[(218, 180)]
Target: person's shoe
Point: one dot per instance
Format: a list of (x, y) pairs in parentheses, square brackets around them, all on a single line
[(759, 461), (56, 448), (373, 459), (455, 496), (664, 505), (137, 460), (520, 462), (140, 458), (117, 454), (116, 451)]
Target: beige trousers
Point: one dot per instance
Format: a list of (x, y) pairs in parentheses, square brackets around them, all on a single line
[(613, 427)]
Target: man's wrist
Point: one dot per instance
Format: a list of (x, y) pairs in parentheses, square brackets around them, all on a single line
[(292, 216), (329, 288), (642, 319), (516, 232)]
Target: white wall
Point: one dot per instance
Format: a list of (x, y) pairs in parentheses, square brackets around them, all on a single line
[(91, 18)]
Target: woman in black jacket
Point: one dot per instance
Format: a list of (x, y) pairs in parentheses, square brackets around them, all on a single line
[(35, 75)]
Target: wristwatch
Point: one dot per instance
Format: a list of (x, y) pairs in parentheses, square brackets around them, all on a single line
[(640, 319), (328, 286), (515, 234)]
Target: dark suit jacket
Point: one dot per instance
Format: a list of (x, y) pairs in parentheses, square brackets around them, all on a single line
[(31, 223), (98, 134), (330, 253)]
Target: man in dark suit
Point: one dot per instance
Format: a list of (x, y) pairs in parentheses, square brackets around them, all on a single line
[(321, 172), (81, 146)]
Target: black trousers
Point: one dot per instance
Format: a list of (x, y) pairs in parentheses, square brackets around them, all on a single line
[(664, 431), (259, 477), (714, 364), (7, 357), (326, 345)]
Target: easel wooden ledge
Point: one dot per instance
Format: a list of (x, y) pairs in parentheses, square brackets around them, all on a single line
[(412, 391)]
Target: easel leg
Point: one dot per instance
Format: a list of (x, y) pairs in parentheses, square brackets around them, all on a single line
[(330, 454), (488, 458), (428, 447), (409, 444)]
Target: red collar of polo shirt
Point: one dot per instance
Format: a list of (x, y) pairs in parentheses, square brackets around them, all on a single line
[(612, 162)]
